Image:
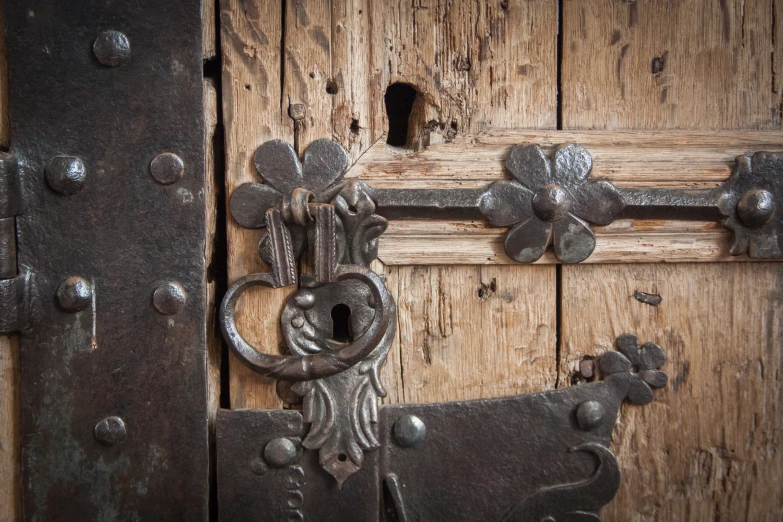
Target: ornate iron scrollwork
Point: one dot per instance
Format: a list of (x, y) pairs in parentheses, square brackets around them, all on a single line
[(555, 442)]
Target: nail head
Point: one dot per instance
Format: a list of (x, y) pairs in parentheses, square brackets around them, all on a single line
[(110, 431), (112, 48), (167, 168), (74, 294), (169, 298), (65, 175)]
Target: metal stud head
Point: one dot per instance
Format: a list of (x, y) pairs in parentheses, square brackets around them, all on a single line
[(756, 208), (112, 48), (169, 298), (65, 175), (110, 431), (590, 415), (74, 294), (409, 431), (280, 452), (167, 168), (551, 202)]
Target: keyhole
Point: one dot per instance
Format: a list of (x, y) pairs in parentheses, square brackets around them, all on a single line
[(341, 325), (399, 100)]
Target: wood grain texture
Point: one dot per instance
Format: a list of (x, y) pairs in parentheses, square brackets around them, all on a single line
[(474, 66), (10, 431), (251, 37), (627, 158), (214, 340), (209, 29), (707, 448), (652, 64), (471, 332)]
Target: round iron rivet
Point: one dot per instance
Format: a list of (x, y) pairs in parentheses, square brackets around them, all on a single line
[(112, 48), (74, 294), (297, 322), (305, 300), (756, 208), (110, 431), (169, 298), (590, 415), (167, 168), (65, 175), (409, 431), (280, 452), (551, 202), (258, 466)]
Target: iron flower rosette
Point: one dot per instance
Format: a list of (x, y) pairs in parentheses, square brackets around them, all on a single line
[(751, 205), (550, 202), (286, 181), (637, 367)]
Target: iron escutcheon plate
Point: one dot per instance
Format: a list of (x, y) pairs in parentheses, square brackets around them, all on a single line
[(113, 365)]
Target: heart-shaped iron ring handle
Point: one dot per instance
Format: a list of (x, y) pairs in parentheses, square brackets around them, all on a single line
[(308, 367)]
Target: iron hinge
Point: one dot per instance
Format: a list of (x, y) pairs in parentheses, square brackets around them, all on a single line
[(14, 286)]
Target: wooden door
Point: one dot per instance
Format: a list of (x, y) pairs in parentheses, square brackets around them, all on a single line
[(471, 322)]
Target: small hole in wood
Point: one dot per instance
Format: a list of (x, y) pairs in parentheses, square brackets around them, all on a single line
[(355, 126), (331, 87), (399, 99)]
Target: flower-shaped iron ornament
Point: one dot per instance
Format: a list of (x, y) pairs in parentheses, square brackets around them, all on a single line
[(550, 202), (640, 366), (291, 186), (751, 205)]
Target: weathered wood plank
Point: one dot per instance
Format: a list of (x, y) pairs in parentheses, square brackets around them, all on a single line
[(666, 65), (251, 38), (10, 431), (214, 342), (474, 332), (705, 449), (627, 158), (307, 76), (209, 29)]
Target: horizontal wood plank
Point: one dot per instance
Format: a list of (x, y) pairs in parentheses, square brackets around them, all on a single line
[(675, 159)]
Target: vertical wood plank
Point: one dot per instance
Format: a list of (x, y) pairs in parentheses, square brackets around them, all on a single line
[(308, 85), (356, 101), (469, 332), (705, 449), (209, 29), (10, 431), (214, 342), (664, 65), (251, 43)]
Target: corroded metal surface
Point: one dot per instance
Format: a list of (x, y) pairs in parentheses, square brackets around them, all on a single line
[(521, 458), (114, 420)]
